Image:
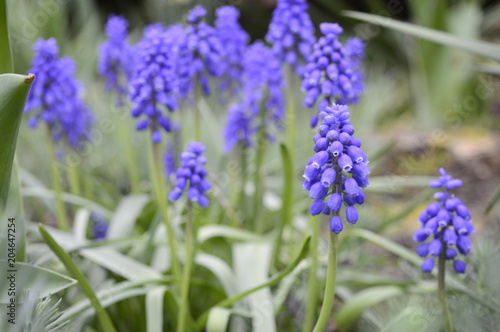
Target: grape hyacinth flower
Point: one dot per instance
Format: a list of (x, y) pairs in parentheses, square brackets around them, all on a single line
[(170, 162), (291, 33), (99, 226), (337, 173), (446, 224), (152, 86), (263, 86), (235, 41), (331, 74), (205, 47), (54, 97), (116, 57), (191, 176)]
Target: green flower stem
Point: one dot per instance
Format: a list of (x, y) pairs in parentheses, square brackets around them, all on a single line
[(133, 173), (312, 293), (331, 276), (258, 187), (197, 115), (159, 185), (442, 289), (184, 309), (243, 176), (62, 221), (74, 181)]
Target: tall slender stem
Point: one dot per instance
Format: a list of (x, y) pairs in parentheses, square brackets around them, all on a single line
[(159, 185), (258, 187), (74, 181), (62, 221), (183, 311), (331, 276), (442, 288), (197, 115), (312, 292), (130, 155)]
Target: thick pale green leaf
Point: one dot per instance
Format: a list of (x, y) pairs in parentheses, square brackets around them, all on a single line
[(211, 231), (154, 309), (5, 51), (29, 277), (221, 270), (354, 307), (13, 91), (104, 319), (123, 221), (477, 47), (218, 319)]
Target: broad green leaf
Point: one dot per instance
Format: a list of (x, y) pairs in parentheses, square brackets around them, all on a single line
[(154, 309), (5, 50), (123, 221), (81, 224), (211, 231), (29, 277), (218, 319), (477, 47), (354, 307), (489, 68), (13, 92), (104, 319), (221, 270)]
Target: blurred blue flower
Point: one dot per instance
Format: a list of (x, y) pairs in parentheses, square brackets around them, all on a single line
[(152, 86), (263, 92), (338, 171), (446, 224), (54, 97), (205, 47), (191, 176), (235, 41), (291, 33), (116, 57), (99, 226), (332, 73), (170, 162)]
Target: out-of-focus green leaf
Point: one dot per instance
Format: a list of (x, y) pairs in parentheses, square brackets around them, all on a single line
[(5, 51), (492, 202), (476, 47), (354, 307), (104, 319), (218, 319), (221, 270), (13, 92), (210, 231), (29, 277), (154, 309), (489, 68), (123, 221)]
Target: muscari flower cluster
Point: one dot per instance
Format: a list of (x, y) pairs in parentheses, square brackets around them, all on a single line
[(99, 226), (263, 92), (152, 85), (54, 97), (191, 176), (205, 47), (338, 171), (332, 73), (235, 41), (116, 57), (291, 33), (446, 223)]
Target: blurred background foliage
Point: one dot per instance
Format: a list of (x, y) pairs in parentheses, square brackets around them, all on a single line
[(425, 106)]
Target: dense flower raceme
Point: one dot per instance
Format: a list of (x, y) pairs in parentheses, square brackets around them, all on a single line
[(99, 226), (191, 176), (291, 32), (54, 97), (332, 73), (338, 171), (153, 85), (263, 92), (205, 47), (446, 223), (235, 41), (116, 57)]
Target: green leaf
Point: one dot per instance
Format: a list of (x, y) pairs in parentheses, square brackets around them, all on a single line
[(477, 47), (5, 51), (218, 319), (123, 221), (354, 307), (211, 231), (492, 202), (29, 277), (221, 270), (154, 309), (104, 319), (13, 92)]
